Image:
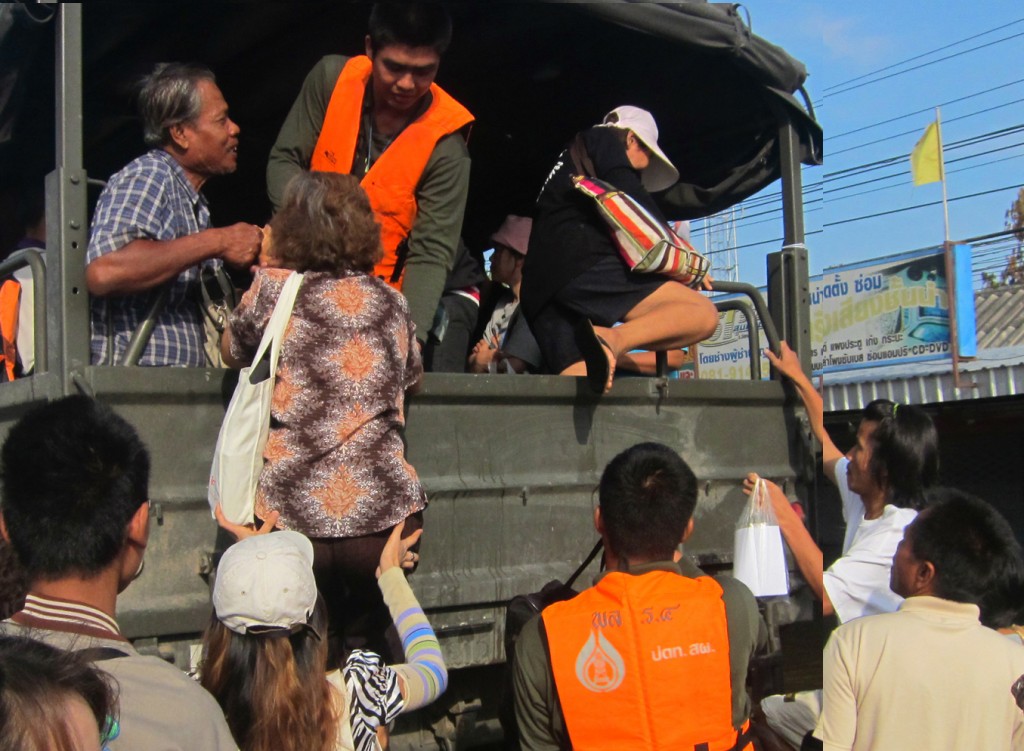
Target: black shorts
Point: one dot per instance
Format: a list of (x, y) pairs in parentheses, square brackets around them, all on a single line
[(604, 293)]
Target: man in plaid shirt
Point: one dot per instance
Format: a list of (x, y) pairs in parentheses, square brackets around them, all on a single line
[(151, 231)]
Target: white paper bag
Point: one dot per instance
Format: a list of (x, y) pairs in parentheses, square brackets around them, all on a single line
[(759, 560)]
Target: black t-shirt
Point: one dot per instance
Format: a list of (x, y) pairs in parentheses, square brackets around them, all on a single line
[(569, 235)]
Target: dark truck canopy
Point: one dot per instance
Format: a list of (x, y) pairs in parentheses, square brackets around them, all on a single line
[(533, 73)]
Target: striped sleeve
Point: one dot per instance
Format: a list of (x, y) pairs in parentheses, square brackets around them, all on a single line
[(424, 673)]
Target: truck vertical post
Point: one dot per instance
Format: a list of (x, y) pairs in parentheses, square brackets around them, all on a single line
[(67, 317)]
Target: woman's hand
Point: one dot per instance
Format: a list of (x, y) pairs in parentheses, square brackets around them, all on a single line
[(241, 531), (396, 550), (780, 503), (786, 362), (707, 283), (481, 356)]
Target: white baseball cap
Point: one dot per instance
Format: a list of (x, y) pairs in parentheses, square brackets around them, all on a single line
[(660, 173), (265, 582)]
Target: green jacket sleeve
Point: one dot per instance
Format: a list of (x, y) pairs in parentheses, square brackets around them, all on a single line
[(293, 149), (538, 716), (441, 203)]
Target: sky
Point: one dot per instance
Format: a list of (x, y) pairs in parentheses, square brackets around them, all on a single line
[(839, 42)]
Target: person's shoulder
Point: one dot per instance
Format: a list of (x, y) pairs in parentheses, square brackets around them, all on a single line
[(328, 68), (735, 593), (155, 165)]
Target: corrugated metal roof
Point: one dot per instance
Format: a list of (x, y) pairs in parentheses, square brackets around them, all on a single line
[(1000, 316), (998, 370)]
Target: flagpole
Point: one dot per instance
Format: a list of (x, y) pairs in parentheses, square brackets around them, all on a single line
[(947, 247), (942, 170)]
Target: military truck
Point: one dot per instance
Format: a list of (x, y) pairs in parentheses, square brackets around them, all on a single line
[(510, 463)]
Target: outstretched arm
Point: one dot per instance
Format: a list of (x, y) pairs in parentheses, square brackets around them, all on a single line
[(805, 551), (788, 364), (424, 676)]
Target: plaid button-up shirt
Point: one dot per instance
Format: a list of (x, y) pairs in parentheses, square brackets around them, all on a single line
[(150, 199)]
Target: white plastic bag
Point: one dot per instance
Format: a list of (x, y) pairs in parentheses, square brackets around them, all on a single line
[(759, 560), (238, 457)]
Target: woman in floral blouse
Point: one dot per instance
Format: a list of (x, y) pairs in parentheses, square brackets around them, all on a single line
[(334, 464)]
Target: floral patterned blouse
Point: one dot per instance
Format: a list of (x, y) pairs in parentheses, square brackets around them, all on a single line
[(334, 464)]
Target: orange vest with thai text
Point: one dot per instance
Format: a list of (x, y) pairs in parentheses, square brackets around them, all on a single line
[(10, 292), (642, 662), (392, 180)]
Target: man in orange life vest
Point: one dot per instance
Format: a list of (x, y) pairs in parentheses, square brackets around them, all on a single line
[(655, 654), (382, 118)]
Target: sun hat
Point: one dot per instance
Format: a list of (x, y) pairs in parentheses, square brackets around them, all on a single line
[(514, 233), (265, 582), (661, 173)]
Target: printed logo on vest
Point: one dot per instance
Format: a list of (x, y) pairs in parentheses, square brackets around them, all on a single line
[(329, 156), (599, 666)]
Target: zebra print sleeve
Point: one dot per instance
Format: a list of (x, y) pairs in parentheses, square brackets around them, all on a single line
[(374, 697)]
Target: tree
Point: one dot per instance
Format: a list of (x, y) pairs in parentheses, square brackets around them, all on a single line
[(1013, 272)]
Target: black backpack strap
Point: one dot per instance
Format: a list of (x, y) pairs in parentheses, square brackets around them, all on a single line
[(590, 557), (581, 162)]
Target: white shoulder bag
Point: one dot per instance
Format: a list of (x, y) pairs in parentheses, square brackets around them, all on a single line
[(238, 458)]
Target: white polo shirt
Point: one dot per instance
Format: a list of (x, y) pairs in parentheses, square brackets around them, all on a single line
[(858, 582)]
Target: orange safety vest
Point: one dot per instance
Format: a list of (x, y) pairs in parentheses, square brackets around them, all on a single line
[(392, 180), (642, 661), (10, 292)]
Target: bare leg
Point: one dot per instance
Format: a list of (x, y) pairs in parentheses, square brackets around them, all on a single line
[(671, 317)]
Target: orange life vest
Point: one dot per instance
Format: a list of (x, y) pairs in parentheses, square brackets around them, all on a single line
[(643, 662), (10, 292), (392, 180)]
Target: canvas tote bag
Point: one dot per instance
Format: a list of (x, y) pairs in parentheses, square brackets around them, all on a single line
[(238, 457)]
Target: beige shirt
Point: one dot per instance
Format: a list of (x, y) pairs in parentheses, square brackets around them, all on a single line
[(928, 676)]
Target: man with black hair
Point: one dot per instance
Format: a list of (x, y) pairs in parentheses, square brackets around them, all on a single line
[(76, 512), (151, 230), (882, 482), (381, 117), (655, 654), (931, 676)]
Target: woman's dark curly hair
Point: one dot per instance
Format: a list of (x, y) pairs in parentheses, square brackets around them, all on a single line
[(326, 224)]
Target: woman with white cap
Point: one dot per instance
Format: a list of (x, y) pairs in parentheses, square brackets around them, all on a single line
[(576, 287), (265, 651)]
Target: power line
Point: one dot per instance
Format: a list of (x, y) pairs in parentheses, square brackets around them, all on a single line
[(878, 164), (926, 109), (918, 130), (903, 172), (925, 65), (923, 54), (918, 206)]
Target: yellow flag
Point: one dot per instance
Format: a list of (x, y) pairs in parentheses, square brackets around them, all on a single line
[(926, 158)]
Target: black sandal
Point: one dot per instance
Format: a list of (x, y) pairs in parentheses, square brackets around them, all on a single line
[(595, 355)]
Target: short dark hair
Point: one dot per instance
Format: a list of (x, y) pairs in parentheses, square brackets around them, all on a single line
[(36, 680), (169, 96), (74, 473), (647, 496), (905, 451), (976, 557), (410, 24), (326, 224)]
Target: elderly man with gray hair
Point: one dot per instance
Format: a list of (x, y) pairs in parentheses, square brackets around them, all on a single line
[(151, 230)]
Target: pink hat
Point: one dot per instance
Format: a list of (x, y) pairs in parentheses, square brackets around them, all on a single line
[(514, 233)]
